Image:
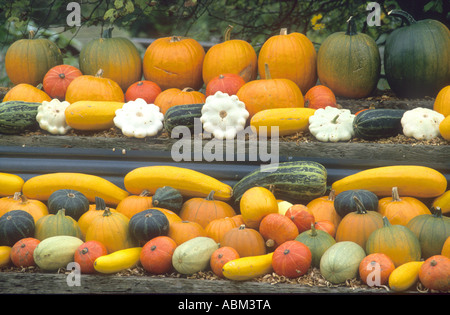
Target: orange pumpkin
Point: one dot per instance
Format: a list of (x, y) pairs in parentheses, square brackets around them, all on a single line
[(96, 210), (35, 207), (22, 252), (26, 93), (442, 101), (217, 228), (276, 229), (444, 128), (94, 88), (58, 78), (238, 219), (229, 83), (268, 93), (133, 204), (246, 241), (323, 208), (204, 210), (401, 210), (220, 257), (255, 204), (320, 96), (173, 96), (291, 259), (231, 56), (434, 274), (289, 56), (147, 90), (171, 216), (301, 216), (182, 231), (156, 255), (374, 269), (87, 253), (174, 62), (327, 226), (446, 248)]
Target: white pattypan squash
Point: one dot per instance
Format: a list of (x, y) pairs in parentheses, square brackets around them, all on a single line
[(51, 116), (331, 124), (223, 115), (421, 123), (139, 119)]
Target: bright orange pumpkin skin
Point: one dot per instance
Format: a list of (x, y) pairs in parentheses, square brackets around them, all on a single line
[(301, 216), (58, 78), (375, 269), (291, 259), (434, 274), (147, 90), (182, 231), (173, 96), (444, 128), (323, 209), (246, 241), (289, 56), (174, 62), (442, 101), (35, 207), (28, 60), (277, 229), (220, 257), (320, 96), (22, 252), (133, 204), (217, 228), (26, 93), (327, 226), (229, 83), (156, 255), (94, 88), (87, 253)]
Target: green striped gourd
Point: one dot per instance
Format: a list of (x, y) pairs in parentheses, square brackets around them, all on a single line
[(378, 123), (17, 116)]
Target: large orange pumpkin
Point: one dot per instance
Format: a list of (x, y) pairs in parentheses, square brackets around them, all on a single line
[(289, 56), (58, 78), (117, 56), (27, 93), (173, 96), (268, 93), (28, 60), (174, 62), (231, 56), (94, 88)]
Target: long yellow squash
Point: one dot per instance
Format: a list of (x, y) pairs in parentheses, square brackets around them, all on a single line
[(288, 120), (189, 182), (10, 184), (42, 186), (411, 180), (247, 268), (91, 115), (118, 260), (443, 202)]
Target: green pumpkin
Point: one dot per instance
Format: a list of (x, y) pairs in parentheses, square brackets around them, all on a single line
[(341, 261), (317, 241), (349, 63), (345, 203), (168, 198), (148, 224), (432, 230), (417, 57), (57, 224), (74, 202), (14, 226)]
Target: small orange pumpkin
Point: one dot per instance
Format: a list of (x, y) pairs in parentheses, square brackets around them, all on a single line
[(173, 96), (156, 255), (276, 229), (374, 269), (35, 207), (58, 78), (323, 208), (291, 259), (183, 231), (147, 90), (327, 226), (228, 83), (246, 241), (442, 101), (220, 257), (217, 228), (320, 96), (301, 216), (95, 210), (434, 274), (87, 253), (133, 204), (27, 93), (22, 252)]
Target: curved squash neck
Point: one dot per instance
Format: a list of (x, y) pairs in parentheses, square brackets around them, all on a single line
[(405, 16)]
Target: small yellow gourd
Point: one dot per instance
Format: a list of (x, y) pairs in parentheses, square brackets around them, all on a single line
[(118, 261), (247, 268), (405, 276)]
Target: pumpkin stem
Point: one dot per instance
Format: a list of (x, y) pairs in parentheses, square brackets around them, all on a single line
[(31, 34), (386, 222), (19, 196), (107, 212), (395, 194), (313, 230), (360, 209), (144, 193), (107, 33), (187, 89), (351, 27), (405, 16), (227, 34), (270, 243), (332, 195), (242, 227), (334, 121), (283, 31), (174, 39), (437, 212), (267, 72), (210, 195)]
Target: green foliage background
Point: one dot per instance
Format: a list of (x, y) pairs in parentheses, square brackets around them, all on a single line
[(204, 20)]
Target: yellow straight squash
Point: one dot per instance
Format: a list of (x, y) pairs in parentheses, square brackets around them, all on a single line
[(411, 180), (288, 120), (91, 115), (118, 261), (42, 186), (10, 184), (405, 276), (247, 268), (189, 182)]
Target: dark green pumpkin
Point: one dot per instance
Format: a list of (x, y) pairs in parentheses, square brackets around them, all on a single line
[(57, 224), (148, 224), (417, 57), (432, 230), (14, 226), (74, 202), (349, 63), (168, 198), (317, 241), (345, 203), (378, 123)]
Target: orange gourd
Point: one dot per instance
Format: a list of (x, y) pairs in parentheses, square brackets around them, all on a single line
[(301, 216), (327, 226), (444, 128), (133, 204), (217, 228), (255, 204), (174, 62), (26, 93), (96, 210), (35, 207), (220, 257), (174, 96), (183, 231), (87, 253), (323, 208), (442, 101), (22, 252), (147, 90), (291, 259), (156, 255), (434, 274), (401, 210), (246, 241), (374, 269), (276, 229), (58, 78), (446, 248), (229, 83), (320, 96)]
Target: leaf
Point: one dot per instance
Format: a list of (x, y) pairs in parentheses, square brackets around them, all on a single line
[(118, 4), (109, 15)]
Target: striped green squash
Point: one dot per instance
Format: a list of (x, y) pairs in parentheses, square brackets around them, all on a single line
[(182, 115), (292, 181), (378, 123), (17, 116)]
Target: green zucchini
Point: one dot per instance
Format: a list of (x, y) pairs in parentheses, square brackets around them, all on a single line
[(17, 116), (182, 115), (378, 123), (297, 181)]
